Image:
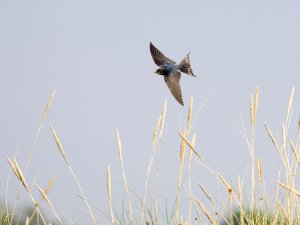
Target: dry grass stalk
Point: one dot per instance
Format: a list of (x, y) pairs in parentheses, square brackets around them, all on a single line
[(27, 221), (225, 183), (230, 196), (259, 171), (272, 137), (150, 163), (48, 104), (182, 156), (123, 173), (61, 150), (182, 161), (83, 196), (158, 124), (110, 195), (189, 179), (295, 151), (288, 113), (59, 145), (119, 145), (284, 150), (291, 189), (208, 196), (283, 136), (17, 171), (251, 142), (240, 201), (39, 129), (282, 212), (256, 103), (182, 151), (251, 110), (163, 118), (50, 184), (181, 221), (46, 191), (253, 106), (206, 213), (191, 146), (276, 215), (181, 166), (44, 195), (190, 114)]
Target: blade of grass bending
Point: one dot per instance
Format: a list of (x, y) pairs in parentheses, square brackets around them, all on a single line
[(293, 190), (19, 174), (206, 213), (62, 152), (47, 189), (150, 162), (39, 129), (45, 196), (191, 146), (110, 195), (119, 145)]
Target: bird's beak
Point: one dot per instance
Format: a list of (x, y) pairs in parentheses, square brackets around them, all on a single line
[(158, 72)]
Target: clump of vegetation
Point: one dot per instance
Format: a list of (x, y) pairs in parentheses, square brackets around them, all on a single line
[(284, 209), (255, 217), (22, 215)]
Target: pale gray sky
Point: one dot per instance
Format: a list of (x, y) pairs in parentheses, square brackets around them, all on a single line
[(96, 55)]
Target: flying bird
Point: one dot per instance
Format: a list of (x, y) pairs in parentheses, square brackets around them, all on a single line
[(171, 71)]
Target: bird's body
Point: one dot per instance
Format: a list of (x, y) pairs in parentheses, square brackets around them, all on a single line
[(167, 69), (171, 71)]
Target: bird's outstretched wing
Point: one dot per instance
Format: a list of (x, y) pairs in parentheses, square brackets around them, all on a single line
[(158, 57), (173, 84)]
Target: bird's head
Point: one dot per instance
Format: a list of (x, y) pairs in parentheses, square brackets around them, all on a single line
[(159, 71)]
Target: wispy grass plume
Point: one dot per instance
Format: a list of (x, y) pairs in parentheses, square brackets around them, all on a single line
[(62, 152), (123, 173), (110, 195)]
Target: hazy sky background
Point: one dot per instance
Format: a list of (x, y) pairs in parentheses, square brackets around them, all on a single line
[(96, 55)]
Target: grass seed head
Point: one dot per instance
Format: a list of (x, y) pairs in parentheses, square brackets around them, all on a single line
[(59, 145)]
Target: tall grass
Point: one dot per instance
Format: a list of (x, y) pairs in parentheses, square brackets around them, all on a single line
[(283, 209)]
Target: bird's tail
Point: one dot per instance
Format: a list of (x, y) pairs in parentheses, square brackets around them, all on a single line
[(185, 66)]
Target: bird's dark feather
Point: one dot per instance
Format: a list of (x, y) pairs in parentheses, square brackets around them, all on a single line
[(172, 81), (158, 57), (185, 66)]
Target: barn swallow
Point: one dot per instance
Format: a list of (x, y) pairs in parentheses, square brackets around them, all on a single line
[(171, 71)]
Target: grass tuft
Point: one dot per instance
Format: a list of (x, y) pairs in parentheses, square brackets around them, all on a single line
[(262, 209)]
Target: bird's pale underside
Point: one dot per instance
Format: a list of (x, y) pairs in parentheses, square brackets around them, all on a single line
[(171, 71)]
